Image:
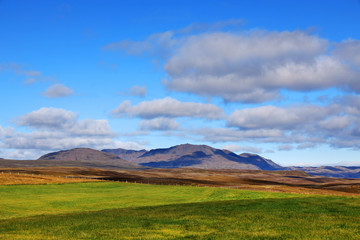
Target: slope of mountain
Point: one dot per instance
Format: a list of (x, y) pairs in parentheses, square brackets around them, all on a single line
[(125, 154), (78, 157), (80, 154), (199, 156)]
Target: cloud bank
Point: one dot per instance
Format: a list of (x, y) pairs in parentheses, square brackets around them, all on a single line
[(253, 66)]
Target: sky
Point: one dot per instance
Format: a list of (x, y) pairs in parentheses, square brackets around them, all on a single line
[(275, 78)]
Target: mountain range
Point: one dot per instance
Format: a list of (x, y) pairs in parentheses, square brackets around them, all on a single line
[(194, 156), (180, 156)]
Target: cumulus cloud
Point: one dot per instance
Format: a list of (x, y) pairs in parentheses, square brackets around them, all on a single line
[(169, 108), (300, 127), (238, 148), (24, 154), (128, 145), (48, 118), (285, 147), (250, 66), (217, 135), (160, 124), (286, 140), (58, 90), (65, 121), (5, 131), (272, 117), (336, 122), (253, 68), (349, 50), (91, 127), (306, 145), (351, 103), (54, 140)]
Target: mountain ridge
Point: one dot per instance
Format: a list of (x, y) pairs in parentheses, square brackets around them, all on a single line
[(198, 156)]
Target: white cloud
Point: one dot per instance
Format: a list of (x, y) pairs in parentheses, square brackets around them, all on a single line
[(161, 124), (58, 90), (216, 135), (306, 145), (24, 154), (91, 127), (250, 66), (272, 117), (300, 127), (336, 123), (6, 131), (254, 67), (128, 145), (169, 108), (225, 52), (349, 50), (57, 119), (238, 148), (55, 140), (48, 118), (285, 147), (352, 104)]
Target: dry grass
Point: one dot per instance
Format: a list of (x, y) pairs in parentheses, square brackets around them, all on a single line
[(18, 179), (275, 181)]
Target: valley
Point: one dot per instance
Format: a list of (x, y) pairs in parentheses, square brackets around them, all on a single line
[(183, 192)]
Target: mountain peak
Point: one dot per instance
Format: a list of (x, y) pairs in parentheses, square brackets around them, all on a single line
[(78, 154)]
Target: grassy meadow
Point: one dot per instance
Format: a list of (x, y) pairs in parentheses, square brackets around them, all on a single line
[(110, 210)]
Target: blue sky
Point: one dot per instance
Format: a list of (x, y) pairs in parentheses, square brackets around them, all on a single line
[(277, 78)]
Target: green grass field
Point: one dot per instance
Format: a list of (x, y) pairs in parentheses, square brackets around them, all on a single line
[(108, 210)]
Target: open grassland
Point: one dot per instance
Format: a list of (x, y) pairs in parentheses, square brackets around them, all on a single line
[(110, 210)]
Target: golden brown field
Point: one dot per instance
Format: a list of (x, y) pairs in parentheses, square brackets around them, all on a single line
[(277, 181), (21, 178)]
